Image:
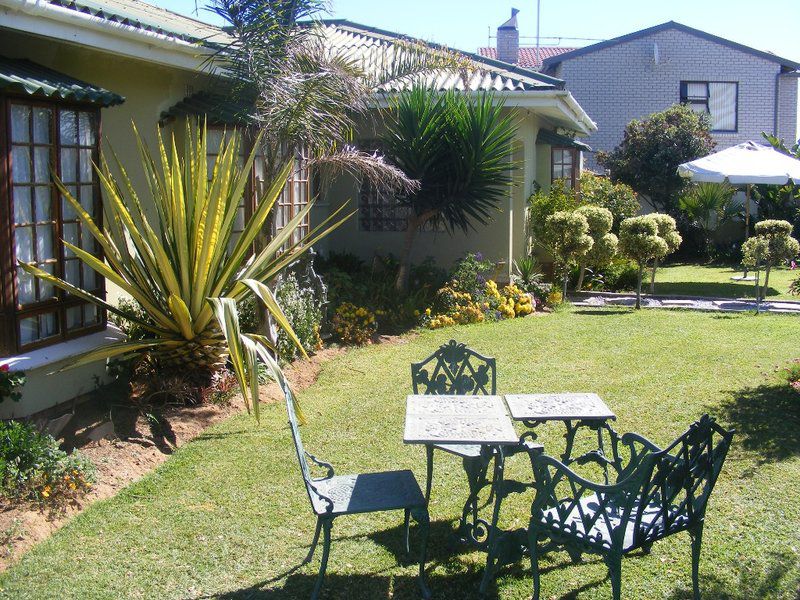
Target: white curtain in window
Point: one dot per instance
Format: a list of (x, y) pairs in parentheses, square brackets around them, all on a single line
[(722, 106)]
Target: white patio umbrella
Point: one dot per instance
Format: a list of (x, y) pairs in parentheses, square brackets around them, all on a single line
[(746, 164)]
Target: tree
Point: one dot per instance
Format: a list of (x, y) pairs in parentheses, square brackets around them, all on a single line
[(566, 236), (604, 245), (667, 231), (639, 241), (707, 206), (651, 150), (619, 198), (457, 146), (772, 244), (543, 203), (184, 263)]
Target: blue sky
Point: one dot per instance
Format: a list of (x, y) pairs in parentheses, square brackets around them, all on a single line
[(766, 24)]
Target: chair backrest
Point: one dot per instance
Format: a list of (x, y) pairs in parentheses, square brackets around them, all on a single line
[(314, 496), (454, 369), (675, 495)]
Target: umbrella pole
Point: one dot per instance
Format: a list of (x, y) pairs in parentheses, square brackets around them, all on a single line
[(746, 218)]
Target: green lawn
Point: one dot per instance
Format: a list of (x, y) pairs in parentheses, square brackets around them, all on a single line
[(715, 280), (227, 516)]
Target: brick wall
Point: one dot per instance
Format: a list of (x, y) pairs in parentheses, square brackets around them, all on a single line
[(622, 82)]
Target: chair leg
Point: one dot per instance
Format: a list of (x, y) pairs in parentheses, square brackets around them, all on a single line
[(614, 564), (406, 527), (422, 517), (429, 478), (697, 541), (532, 545), (311, 550), (326, 547)]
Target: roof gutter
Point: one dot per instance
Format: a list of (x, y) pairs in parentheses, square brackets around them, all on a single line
[(41, 17)]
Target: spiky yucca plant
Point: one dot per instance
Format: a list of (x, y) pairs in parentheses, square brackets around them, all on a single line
[(182, 265)]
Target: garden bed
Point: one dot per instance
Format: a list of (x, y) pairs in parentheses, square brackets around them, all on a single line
[(133, 450)]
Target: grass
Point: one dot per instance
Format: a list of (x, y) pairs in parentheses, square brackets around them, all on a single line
[(227, 516), (715, 280)]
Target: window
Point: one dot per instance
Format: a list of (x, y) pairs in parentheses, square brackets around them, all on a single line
[(717, 99), (41, 137), (379, 211), (292, 200), (565, 165)]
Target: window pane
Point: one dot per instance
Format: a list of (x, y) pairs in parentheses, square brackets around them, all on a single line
[(46, 290), (722, 106), (69, 127), (87, 239), (44, 203), (23, 239), (41, 125), (86, 128), (20, 164), (44, 242), (22, 205), (90, 314), (74, 317), (41, 161), (25, 289), (20, 123), (70, 232), (48, 325), (28, 330), (67, 212), (213, 139), (72, 272), (89, 282), (696, 90), (87, 199), (85, 173), (69, 164)]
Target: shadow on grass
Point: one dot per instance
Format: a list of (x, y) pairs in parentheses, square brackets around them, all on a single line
[(710, 289), (603, 312), (753, 583), (766, 419)]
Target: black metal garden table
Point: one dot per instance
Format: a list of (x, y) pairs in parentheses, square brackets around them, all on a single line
[(484, 420)]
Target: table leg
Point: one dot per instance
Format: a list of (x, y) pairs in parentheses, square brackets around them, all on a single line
[(497, 482), (475, 469)]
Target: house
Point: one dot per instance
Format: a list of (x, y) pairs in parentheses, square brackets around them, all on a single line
[(744, 91), (75, 73)]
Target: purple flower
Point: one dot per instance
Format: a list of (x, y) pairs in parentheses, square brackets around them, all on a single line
[(479, 256)]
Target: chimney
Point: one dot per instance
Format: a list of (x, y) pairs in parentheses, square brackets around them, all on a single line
[(508, 39)]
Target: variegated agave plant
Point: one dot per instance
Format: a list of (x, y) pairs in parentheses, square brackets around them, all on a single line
[(184, 266)]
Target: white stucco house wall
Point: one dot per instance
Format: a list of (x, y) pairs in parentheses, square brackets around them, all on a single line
[(745, 91), (74, 74)]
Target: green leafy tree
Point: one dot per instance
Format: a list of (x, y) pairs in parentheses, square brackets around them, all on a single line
[(543, 203), (771, 245), (640, 242), (667, 231), (707, 206), (184, 264), (604, 246), (457, 147), (566, 236), (647, 159), (617, 197)]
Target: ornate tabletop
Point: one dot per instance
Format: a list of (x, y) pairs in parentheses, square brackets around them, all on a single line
[(457, 420), (558, 407)]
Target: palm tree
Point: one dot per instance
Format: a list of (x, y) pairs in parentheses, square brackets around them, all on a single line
[(458, 148), (708, 205)]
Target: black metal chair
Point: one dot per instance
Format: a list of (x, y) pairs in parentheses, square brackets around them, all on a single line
[(332, 496), (656, 493)]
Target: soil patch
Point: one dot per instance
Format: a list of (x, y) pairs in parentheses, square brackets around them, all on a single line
[(142, 442)]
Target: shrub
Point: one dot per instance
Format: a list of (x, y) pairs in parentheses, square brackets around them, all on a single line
[(618, 198), (132, 328), (554, 298), (792, 374), (620, 275), (10, 383), (33, 467), (566, 235), (542, 204), (471, 273), (604, 245), (354, 325), (304, 313), (771, 245), (639, 241), (667, 231)]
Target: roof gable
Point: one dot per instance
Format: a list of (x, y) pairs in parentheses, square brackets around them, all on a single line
[(551, 62)]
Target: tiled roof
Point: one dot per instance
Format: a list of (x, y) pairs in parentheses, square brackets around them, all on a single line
[(21, 75), (140, 15), (369, 45), (527, 54)]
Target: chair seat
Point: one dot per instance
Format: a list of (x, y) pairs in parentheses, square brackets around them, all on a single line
[(600, 531), (368, 492)]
